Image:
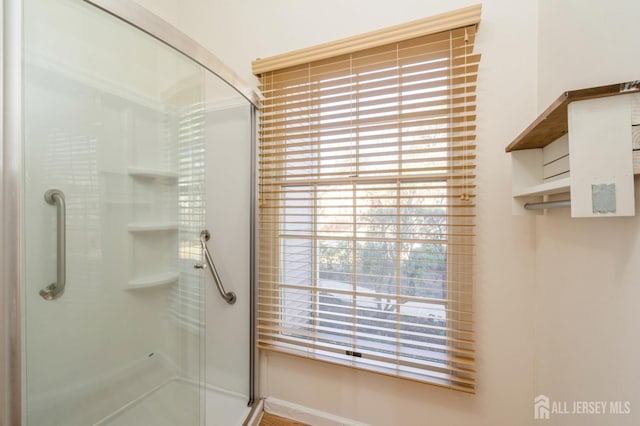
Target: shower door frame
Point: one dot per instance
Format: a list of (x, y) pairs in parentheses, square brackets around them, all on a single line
[(11, 188), (10, 215)]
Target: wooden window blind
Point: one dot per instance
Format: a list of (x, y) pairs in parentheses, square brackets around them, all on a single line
[(366, 223)]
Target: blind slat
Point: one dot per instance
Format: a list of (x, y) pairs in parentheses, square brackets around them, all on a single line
[(393, 72), (410, 141), (399, 360), (391, 131), (334, 96), (417, 100), (438, 353)]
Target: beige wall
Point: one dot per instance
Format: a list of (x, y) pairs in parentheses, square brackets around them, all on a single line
[(240, 30), (587, 270), (556, 297), (585, 44), (507, 99)]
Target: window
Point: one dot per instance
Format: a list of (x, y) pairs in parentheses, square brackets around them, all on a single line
[(367, 204)]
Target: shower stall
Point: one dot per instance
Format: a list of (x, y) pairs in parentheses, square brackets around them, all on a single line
[(127, 181)]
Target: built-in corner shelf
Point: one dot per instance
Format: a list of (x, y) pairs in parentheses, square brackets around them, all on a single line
[(587, 144), (146, 173), (152, 227), (158, 280)]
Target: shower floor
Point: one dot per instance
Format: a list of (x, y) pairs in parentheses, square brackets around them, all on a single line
[(175, 403)]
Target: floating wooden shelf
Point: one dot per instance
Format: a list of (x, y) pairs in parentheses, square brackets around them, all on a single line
[(158, 280), (587, 144), (152, 173), (152, 227), (552, 123)]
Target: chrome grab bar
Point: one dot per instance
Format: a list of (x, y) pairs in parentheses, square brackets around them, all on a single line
[(228, 296), (55, 290)]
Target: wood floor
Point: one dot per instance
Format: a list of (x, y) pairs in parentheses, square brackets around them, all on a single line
[(271, 420)]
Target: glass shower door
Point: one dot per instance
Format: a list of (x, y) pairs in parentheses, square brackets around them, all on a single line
[(113, 208)]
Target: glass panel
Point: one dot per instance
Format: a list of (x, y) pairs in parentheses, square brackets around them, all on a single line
[(227, 130), (113, 119)]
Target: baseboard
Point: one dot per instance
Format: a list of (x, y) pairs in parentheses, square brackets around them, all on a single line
[(254, 417), (306, 415)]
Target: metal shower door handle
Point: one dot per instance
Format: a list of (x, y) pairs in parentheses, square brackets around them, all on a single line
[(55, 290), (228, 296)]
